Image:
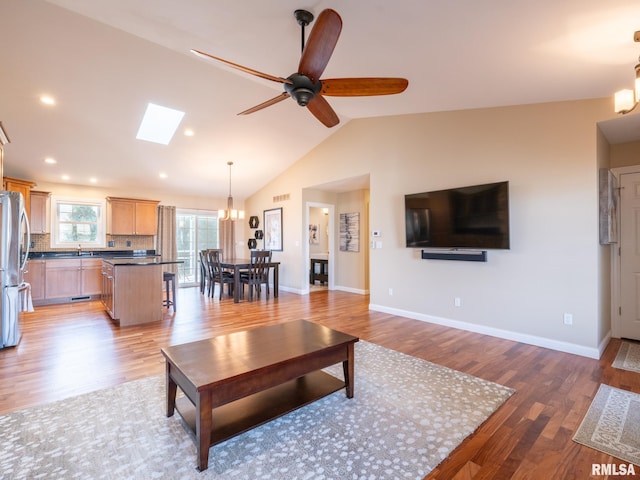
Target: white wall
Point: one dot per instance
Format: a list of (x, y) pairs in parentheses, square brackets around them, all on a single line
[(548, 153)]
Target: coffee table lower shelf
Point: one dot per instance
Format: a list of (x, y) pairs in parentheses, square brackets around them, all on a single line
[(249, 412)]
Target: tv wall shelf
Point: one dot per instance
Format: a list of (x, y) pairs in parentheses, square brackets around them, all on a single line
[(460, 255)]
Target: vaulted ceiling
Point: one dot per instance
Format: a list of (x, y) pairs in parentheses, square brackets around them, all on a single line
[(104, 61)]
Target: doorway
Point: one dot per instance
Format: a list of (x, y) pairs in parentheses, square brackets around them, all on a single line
[(320, 246)]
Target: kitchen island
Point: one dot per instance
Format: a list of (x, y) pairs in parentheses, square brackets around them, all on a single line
[(132, 289)]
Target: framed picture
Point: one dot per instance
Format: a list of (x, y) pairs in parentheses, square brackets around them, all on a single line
[(350, 232), (314, 239), (608, 207), (272, 225)]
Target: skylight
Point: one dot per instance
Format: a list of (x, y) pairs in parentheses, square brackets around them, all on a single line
[(159, 124)]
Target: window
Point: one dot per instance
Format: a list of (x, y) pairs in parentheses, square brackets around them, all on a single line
[(195, 231), (77, 222)]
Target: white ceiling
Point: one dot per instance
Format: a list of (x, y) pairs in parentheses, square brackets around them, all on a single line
[(104, 61)]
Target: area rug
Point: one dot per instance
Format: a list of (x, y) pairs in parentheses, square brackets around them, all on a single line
[(406, 417), (612, 424), (628, 357)]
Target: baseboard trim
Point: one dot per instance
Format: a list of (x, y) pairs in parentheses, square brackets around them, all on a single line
[(351, 290), (336, 287), (557, 345)]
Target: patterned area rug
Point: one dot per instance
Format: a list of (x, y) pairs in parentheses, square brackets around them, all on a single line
[(406, 417), (628, 357), (612, 424)]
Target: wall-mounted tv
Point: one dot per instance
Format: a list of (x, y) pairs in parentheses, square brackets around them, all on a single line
[(474, 217)]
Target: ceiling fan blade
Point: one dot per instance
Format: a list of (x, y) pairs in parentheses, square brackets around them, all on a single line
[(266, 104), (322, 40), (323, 111), (240, 67), (361, 87)]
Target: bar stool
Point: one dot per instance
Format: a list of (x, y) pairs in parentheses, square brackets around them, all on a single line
[(169, 279)]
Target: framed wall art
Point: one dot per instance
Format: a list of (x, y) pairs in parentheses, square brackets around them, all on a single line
[(272, 224), (350, 232), (314, 239), (607, 207)]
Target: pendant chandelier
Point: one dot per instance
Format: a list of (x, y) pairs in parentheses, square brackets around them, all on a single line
[(230, 213)]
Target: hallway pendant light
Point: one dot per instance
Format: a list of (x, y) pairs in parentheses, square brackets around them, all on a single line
[(626, 100), (230, 213)]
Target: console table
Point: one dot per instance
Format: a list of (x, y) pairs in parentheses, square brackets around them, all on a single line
[(323, 275)]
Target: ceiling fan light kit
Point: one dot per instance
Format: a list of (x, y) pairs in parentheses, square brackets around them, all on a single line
[(305, 86), (626, 100)]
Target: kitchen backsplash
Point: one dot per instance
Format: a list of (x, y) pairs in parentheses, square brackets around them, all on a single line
[(42, 243)]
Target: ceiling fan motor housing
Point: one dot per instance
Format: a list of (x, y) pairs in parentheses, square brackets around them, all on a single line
[(302, 89)]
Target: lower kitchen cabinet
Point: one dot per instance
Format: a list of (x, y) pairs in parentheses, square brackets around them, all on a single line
[(91, 280), (108, 281), (132, 293), (35, 277), (64, 280)]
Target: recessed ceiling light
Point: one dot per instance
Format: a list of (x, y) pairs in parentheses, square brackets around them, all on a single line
[(159, 124), (50, 160), (163, 175), (189, 133), (46, 99), (93, 180), (66, 177)]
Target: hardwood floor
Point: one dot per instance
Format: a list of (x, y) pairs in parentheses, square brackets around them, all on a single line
[(71, 349)]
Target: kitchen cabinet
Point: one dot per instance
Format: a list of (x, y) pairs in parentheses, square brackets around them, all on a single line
[(70, 279), (39, 218), (128, 216), (132, 291), (108, 282), (62, 278), (91, 276), (35, 277), (22, 186)]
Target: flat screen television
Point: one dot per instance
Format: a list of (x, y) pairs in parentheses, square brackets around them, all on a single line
[(474, 217)]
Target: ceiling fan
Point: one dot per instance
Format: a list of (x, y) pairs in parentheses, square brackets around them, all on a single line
[(305, 86)]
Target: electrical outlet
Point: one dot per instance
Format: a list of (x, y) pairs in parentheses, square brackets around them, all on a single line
[(391, 291), (568, 319), (457, 302)]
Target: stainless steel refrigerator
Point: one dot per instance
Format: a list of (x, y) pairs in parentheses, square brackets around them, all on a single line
[(14, 250)]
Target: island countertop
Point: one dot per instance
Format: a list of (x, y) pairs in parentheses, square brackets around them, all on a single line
[(140, 261)]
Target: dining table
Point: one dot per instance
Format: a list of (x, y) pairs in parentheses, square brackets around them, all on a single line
[(239, 264)]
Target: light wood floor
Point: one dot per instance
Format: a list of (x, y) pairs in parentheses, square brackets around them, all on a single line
[(71, 349)]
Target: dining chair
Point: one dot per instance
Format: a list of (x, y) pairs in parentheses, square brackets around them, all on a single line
[(208, 273), (217, 274), (204, 276), (257, 274)]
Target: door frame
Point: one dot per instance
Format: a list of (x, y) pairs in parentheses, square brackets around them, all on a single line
[(616, 270), (331, 245)]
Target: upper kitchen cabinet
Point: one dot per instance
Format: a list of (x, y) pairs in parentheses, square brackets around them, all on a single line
[(40, 212), (22, 186), (129, 216)]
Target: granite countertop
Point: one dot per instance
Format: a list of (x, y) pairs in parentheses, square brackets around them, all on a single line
[(93, 254), (139, 261)]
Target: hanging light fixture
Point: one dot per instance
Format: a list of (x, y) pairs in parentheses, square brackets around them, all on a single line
[(230, 213), (626, 100)]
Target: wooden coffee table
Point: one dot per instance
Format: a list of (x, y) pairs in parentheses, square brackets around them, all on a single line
[(235, 382)]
